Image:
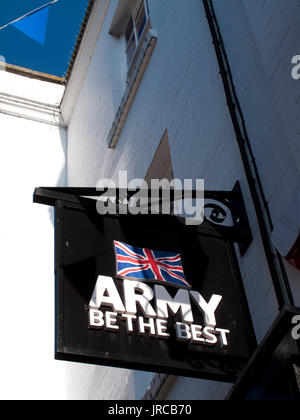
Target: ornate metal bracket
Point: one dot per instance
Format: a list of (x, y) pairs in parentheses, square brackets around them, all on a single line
[(224, 210), (227, 212)]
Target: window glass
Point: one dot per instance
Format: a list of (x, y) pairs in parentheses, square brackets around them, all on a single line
[(141, 21), (130, 41), (131, 50), (134, 30), (129, 31)]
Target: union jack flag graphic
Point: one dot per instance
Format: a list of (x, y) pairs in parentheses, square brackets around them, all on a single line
[(148, 265)]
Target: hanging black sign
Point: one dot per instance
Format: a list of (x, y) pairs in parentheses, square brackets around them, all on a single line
[(148, 293)]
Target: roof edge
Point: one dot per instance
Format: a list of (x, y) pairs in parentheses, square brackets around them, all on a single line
[(21, 71), (88, 13)]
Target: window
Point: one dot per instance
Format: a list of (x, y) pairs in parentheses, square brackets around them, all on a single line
[(135, 29), (131, 24)]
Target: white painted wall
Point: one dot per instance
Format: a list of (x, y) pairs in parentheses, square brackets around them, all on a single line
[(268, 94), (88, 382), (182, 92), (32, 154)]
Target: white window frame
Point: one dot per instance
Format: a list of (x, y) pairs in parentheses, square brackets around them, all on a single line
[(135, 33)]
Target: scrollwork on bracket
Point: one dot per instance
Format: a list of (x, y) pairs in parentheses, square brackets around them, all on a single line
[(217, 214)]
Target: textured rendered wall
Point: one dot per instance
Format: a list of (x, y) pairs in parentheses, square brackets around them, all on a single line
[(261, 37)]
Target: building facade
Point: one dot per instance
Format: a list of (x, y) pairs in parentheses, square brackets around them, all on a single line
[(145, 95), (188, 90)]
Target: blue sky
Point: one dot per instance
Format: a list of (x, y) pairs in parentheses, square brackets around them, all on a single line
[(52, 57)]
